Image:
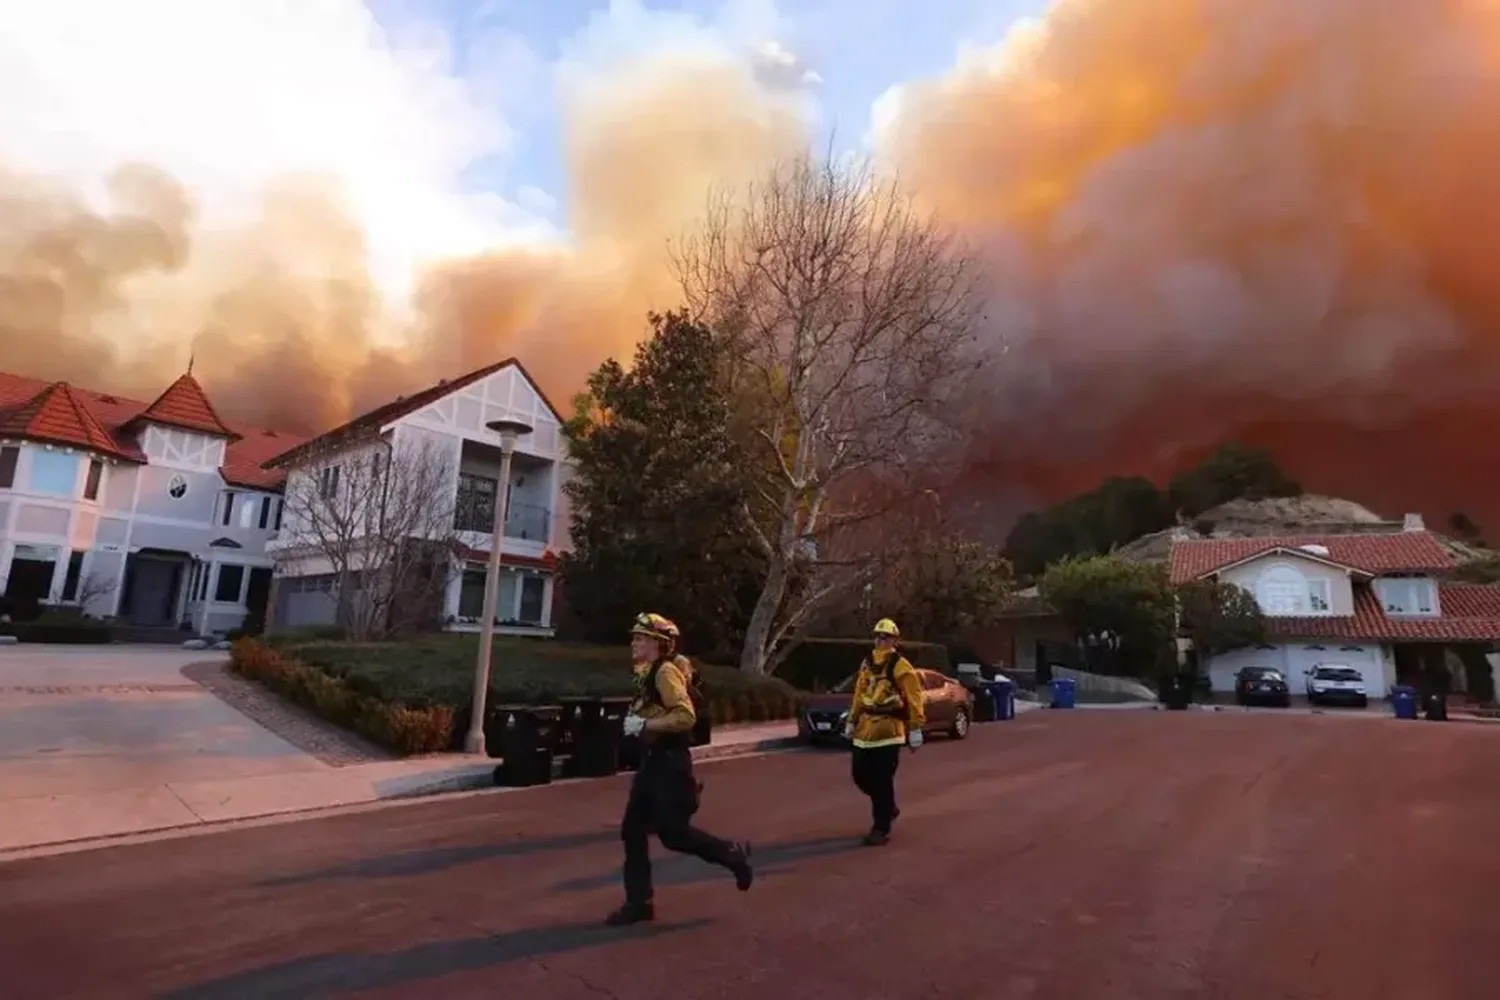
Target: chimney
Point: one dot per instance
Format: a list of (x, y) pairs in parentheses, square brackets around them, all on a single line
[(1413, 522)]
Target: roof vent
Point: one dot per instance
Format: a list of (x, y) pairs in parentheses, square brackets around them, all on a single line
[(1413, 522), (106, 398), (1321, 551)]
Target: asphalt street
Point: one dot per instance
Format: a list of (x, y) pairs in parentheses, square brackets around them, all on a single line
[(1070, 855)]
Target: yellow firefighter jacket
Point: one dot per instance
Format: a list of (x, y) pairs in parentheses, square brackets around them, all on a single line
[(887, 702), (669, 709)]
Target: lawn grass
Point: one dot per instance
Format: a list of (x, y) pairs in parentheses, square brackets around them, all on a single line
[(437, 672)]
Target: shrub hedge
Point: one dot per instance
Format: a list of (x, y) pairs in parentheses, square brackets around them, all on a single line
[(436, 672), (63, 631), (397, 727), (819, 664)]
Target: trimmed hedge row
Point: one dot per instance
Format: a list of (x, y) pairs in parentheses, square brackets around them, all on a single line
[(396, 727), (436, 672), (819, 664), (74, 632)]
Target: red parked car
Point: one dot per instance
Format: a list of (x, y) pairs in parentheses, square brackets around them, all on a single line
[(949, 705)]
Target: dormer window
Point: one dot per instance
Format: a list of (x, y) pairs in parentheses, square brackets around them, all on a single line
[(1412, 595)]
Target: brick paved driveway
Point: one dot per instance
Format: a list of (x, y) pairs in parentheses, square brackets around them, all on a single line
[(1077, 856)]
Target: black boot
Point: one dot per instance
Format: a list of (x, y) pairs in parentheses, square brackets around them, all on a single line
[(744, 875), (631, 913), (876, 837)]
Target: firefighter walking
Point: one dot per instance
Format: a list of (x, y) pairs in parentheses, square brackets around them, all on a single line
[(664, 792), (885, 715)]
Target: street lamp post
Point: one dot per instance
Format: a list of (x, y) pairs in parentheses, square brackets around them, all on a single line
[(509, 431)]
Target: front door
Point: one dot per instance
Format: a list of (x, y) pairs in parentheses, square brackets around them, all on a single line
[(153, 592)]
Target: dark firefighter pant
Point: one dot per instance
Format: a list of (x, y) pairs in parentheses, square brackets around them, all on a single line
[(875, 774), (663, 798)]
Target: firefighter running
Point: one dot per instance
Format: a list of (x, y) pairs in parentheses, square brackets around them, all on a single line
[(885, 714), (664, 793)]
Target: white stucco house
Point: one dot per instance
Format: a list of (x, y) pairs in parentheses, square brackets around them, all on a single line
[(1371, 601), (155, 514), (448, 419)]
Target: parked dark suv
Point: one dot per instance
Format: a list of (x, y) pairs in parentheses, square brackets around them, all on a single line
[(1261, 686)]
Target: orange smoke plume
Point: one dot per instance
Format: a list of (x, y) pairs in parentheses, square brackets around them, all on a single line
[(1274, 221), (1268, 220), (287, 325)]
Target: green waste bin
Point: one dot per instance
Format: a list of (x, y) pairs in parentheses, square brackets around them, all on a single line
[(526, 744)]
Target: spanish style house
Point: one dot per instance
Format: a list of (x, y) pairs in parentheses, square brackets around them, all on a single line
[(1374, 602), (156, 514), (447, 420), (1372, 599)]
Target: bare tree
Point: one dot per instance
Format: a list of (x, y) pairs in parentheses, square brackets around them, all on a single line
[(852, 319), (89, 589), (383, 518)]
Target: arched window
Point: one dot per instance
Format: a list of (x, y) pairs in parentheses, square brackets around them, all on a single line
[(1282, 590)]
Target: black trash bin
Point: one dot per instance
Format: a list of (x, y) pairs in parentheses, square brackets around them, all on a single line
[(1436, 707), (598, 728), (984, 701), (574, 708), (526, 744), (495, 719), (1177, 692)]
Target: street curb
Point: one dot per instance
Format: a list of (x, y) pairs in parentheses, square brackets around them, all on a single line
[(469, 778), (477, 777)]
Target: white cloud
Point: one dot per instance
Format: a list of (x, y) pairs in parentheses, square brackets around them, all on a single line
[(230, 94)]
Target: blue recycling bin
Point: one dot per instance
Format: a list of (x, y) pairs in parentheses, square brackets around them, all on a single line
[(1404, 701), (1063, 692), (1004, 694)]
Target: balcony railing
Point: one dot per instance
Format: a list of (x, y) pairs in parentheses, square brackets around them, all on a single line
[(526, 521)]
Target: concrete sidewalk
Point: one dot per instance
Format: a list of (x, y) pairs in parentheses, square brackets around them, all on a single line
[(170, 805)]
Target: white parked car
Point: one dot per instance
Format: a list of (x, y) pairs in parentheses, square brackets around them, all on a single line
[(1336, 683)]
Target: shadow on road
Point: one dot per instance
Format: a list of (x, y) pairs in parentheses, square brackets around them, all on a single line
[(438, 859), (327, 975), (678, 869)]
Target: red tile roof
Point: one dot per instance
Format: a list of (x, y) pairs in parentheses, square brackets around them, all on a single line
[(371, 421), (1470, 613), (185, 405), (58, 415), (247, 449), (1394, 552)]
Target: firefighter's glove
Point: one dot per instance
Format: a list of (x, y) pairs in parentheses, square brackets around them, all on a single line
[(634, 724), (914, 738)]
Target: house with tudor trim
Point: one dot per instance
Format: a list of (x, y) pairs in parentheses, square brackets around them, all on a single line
[(448, 419), (156, 514)]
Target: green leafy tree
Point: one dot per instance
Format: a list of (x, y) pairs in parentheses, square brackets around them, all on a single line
[(1234, 472), (1219, 616), (1120, 612), (1122, 509), (658, 495)]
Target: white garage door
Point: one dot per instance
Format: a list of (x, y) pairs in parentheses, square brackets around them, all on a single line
[(1222, 668), (1303, 657)]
